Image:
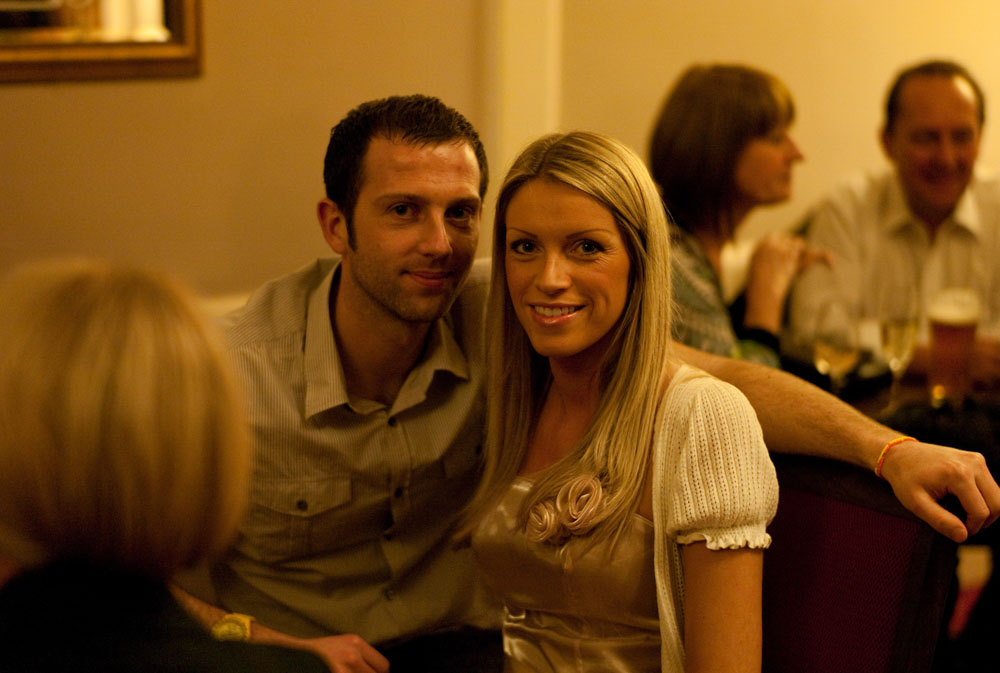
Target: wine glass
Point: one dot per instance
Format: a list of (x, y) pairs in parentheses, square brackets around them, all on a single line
[(898, 315), (835, 348)]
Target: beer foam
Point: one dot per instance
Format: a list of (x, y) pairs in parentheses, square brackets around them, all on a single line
[(954, 306)]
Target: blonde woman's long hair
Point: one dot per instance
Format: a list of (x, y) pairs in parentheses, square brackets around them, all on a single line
[(615, 449), (122, 436)]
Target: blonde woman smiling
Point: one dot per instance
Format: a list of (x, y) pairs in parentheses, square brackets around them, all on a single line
[(625, 497)]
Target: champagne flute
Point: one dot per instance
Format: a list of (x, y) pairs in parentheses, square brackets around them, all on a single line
[(898, 314), (835, 349)]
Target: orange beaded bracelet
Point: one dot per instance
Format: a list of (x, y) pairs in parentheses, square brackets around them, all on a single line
[(885, 452)]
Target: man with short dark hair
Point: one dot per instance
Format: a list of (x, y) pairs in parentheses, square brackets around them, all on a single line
[(930, 221), (364, 377)]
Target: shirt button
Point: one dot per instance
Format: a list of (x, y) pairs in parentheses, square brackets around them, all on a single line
[(389, 594), (302, 505), (392, 421)]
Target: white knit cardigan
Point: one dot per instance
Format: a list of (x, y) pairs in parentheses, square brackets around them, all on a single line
[(713, 481)]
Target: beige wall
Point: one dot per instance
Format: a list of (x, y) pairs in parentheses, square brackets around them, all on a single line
[(216, 178)]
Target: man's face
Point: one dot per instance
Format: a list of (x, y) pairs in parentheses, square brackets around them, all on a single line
[(934, 143), (416, 226)]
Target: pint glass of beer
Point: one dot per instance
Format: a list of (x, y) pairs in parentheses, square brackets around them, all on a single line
[(953, 314)]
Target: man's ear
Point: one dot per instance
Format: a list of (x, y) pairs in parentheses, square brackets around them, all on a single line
[(333, 223)]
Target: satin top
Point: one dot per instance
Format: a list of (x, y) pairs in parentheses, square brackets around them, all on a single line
[(574, 607), (571, 607)]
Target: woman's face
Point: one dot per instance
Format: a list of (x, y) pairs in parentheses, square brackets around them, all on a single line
[(567, 269), (764, 168)]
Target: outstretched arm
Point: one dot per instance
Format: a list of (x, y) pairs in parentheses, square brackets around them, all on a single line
[(342, 654), (797, 417)]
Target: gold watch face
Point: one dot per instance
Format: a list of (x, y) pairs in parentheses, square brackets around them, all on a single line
[(232, 627)]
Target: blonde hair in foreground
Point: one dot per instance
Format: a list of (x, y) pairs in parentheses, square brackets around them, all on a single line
[(122, 440), (616, 447)]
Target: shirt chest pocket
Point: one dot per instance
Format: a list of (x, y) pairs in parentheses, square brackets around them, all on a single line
[(291, 519)]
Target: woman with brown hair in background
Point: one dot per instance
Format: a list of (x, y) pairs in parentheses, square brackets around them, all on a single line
[(720, 147)]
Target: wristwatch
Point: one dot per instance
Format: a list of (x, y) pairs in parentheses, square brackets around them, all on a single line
[(232, 626)]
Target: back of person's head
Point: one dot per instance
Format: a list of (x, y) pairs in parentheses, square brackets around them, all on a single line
[(416, 119), (935, 68), (616, 178), (122, 437), (708, 118)]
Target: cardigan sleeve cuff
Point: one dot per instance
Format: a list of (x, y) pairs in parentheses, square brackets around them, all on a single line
[(750, 537)]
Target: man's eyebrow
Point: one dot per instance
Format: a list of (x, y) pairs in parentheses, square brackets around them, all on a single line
[(400, 196), (474, 201), (467, 201)]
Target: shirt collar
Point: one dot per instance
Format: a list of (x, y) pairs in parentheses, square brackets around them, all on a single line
[(326, 386), (441, 354), (896, 212), (966, 213), (324, 374)]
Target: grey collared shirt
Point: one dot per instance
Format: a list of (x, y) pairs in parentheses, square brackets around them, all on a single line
[(353, 503)]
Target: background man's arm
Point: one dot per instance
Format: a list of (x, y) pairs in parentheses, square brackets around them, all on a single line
[(342, 654), (797, 417)]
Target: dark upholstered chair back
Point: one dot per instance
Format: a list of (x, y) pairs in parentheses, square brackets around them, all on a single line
[(852, 581)]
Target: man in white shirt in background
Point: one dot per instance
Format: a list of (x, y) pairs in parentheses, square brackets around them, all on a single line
[(929, 221)]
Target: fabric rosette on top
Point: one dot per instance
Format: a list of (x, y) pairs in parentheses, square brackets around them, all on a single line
[(575, 510)]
